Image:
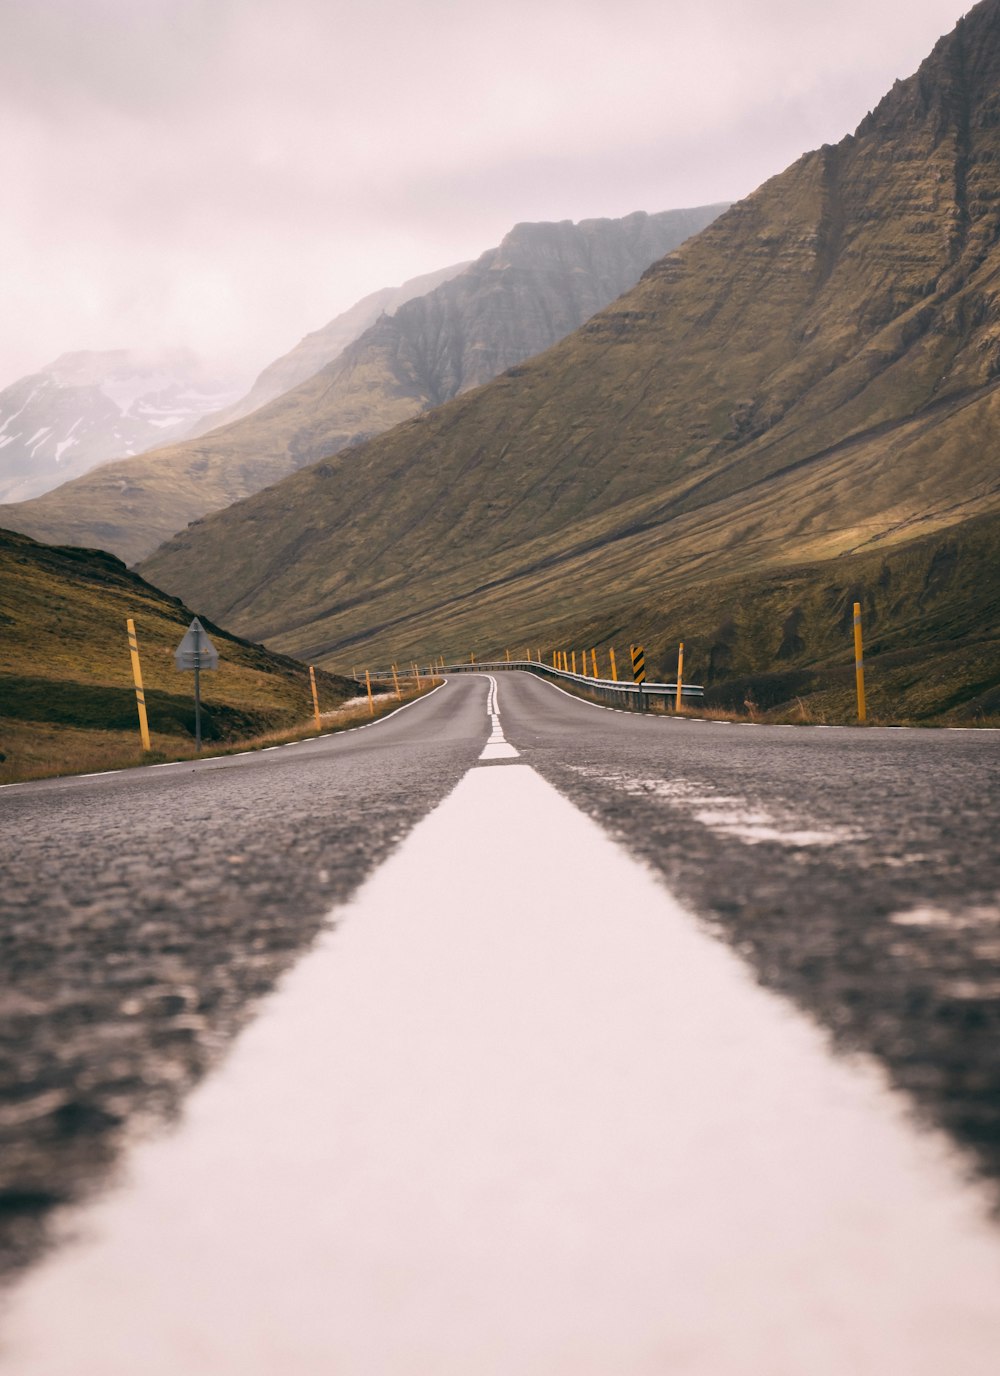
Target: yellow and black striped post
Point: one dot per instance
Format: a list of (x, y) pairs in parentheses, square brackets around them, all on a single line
[(639, 672), (859, 662), (638, 664), (140, 696), (680, 677), (614, 666), (312, 685)]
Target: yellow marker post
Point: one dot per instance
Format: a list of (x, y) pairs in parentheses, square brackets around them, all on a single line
[(140, 696), (680, 676), (574, 661), (312, 685), (859, 662), (507, 653), (371, 700), (593, 663), (472, 656), (614, 666), (395, 679), (416, 675)]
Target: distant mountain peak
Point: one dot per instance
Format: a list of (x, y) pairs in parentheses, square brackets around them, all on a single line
[(89, 406)]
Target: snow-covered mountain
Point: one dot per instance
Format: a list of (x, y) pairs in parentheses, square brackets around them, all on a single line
[(86, 408)]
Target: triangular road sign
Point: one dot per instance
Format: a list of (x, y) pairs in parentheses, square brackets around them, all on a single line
[(196, 651)]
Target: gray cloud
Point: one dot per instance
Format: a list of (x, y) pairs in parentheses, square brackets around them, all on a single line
[(230, 173)]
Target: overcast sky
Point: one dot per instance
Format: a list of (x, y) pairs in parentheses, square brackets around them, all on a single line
[(229, 174)]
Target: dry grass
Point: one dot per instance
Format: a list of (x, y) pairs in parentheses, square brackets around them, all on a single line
[(37, 750)]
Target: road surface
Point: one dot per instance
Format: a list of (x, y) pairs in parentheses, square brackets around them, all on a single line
[(597, 1102)]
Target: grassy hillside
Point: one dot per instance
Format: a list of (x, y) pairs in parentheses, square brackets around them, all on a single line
[(813, 376), (782, 643), (66, 693)]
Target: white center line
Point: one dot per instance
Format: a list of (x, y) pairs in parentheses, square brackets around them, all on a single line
[(497, 747), (518, 1114)]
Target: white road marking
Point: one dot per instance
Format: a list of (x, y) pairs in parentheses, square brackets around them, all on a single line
[(725, 814), (497, 747), (519, 1114)]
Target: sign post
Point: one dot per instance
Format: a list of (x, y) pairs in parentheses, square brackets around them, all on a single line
[(196, 652)]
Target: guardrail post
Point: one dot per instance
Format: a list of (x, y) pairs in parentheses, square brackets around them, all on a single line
[(315, 697), (859, 662), (140, 695)]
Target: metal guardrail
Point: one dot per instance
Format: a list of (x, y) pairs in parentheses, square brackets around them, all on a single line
[(631, 696)]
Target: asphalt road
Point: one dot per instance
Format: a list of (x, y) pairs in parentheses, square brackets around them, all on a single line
[(856, 870), (145, 913)]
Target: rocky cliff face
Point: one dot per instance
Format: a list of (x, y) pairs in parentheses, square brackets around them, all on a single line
[(542, 281), (322, 346), (816, 373), (88, 407)]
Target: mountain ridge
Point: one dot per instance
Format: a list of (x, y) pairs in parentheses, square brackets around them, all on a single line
[(515, 299), (320, 347)]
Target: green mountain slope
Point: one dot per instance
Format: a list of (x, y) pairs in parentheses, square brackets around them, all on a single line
[(812, 375), (542, 282), (66, 689)]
